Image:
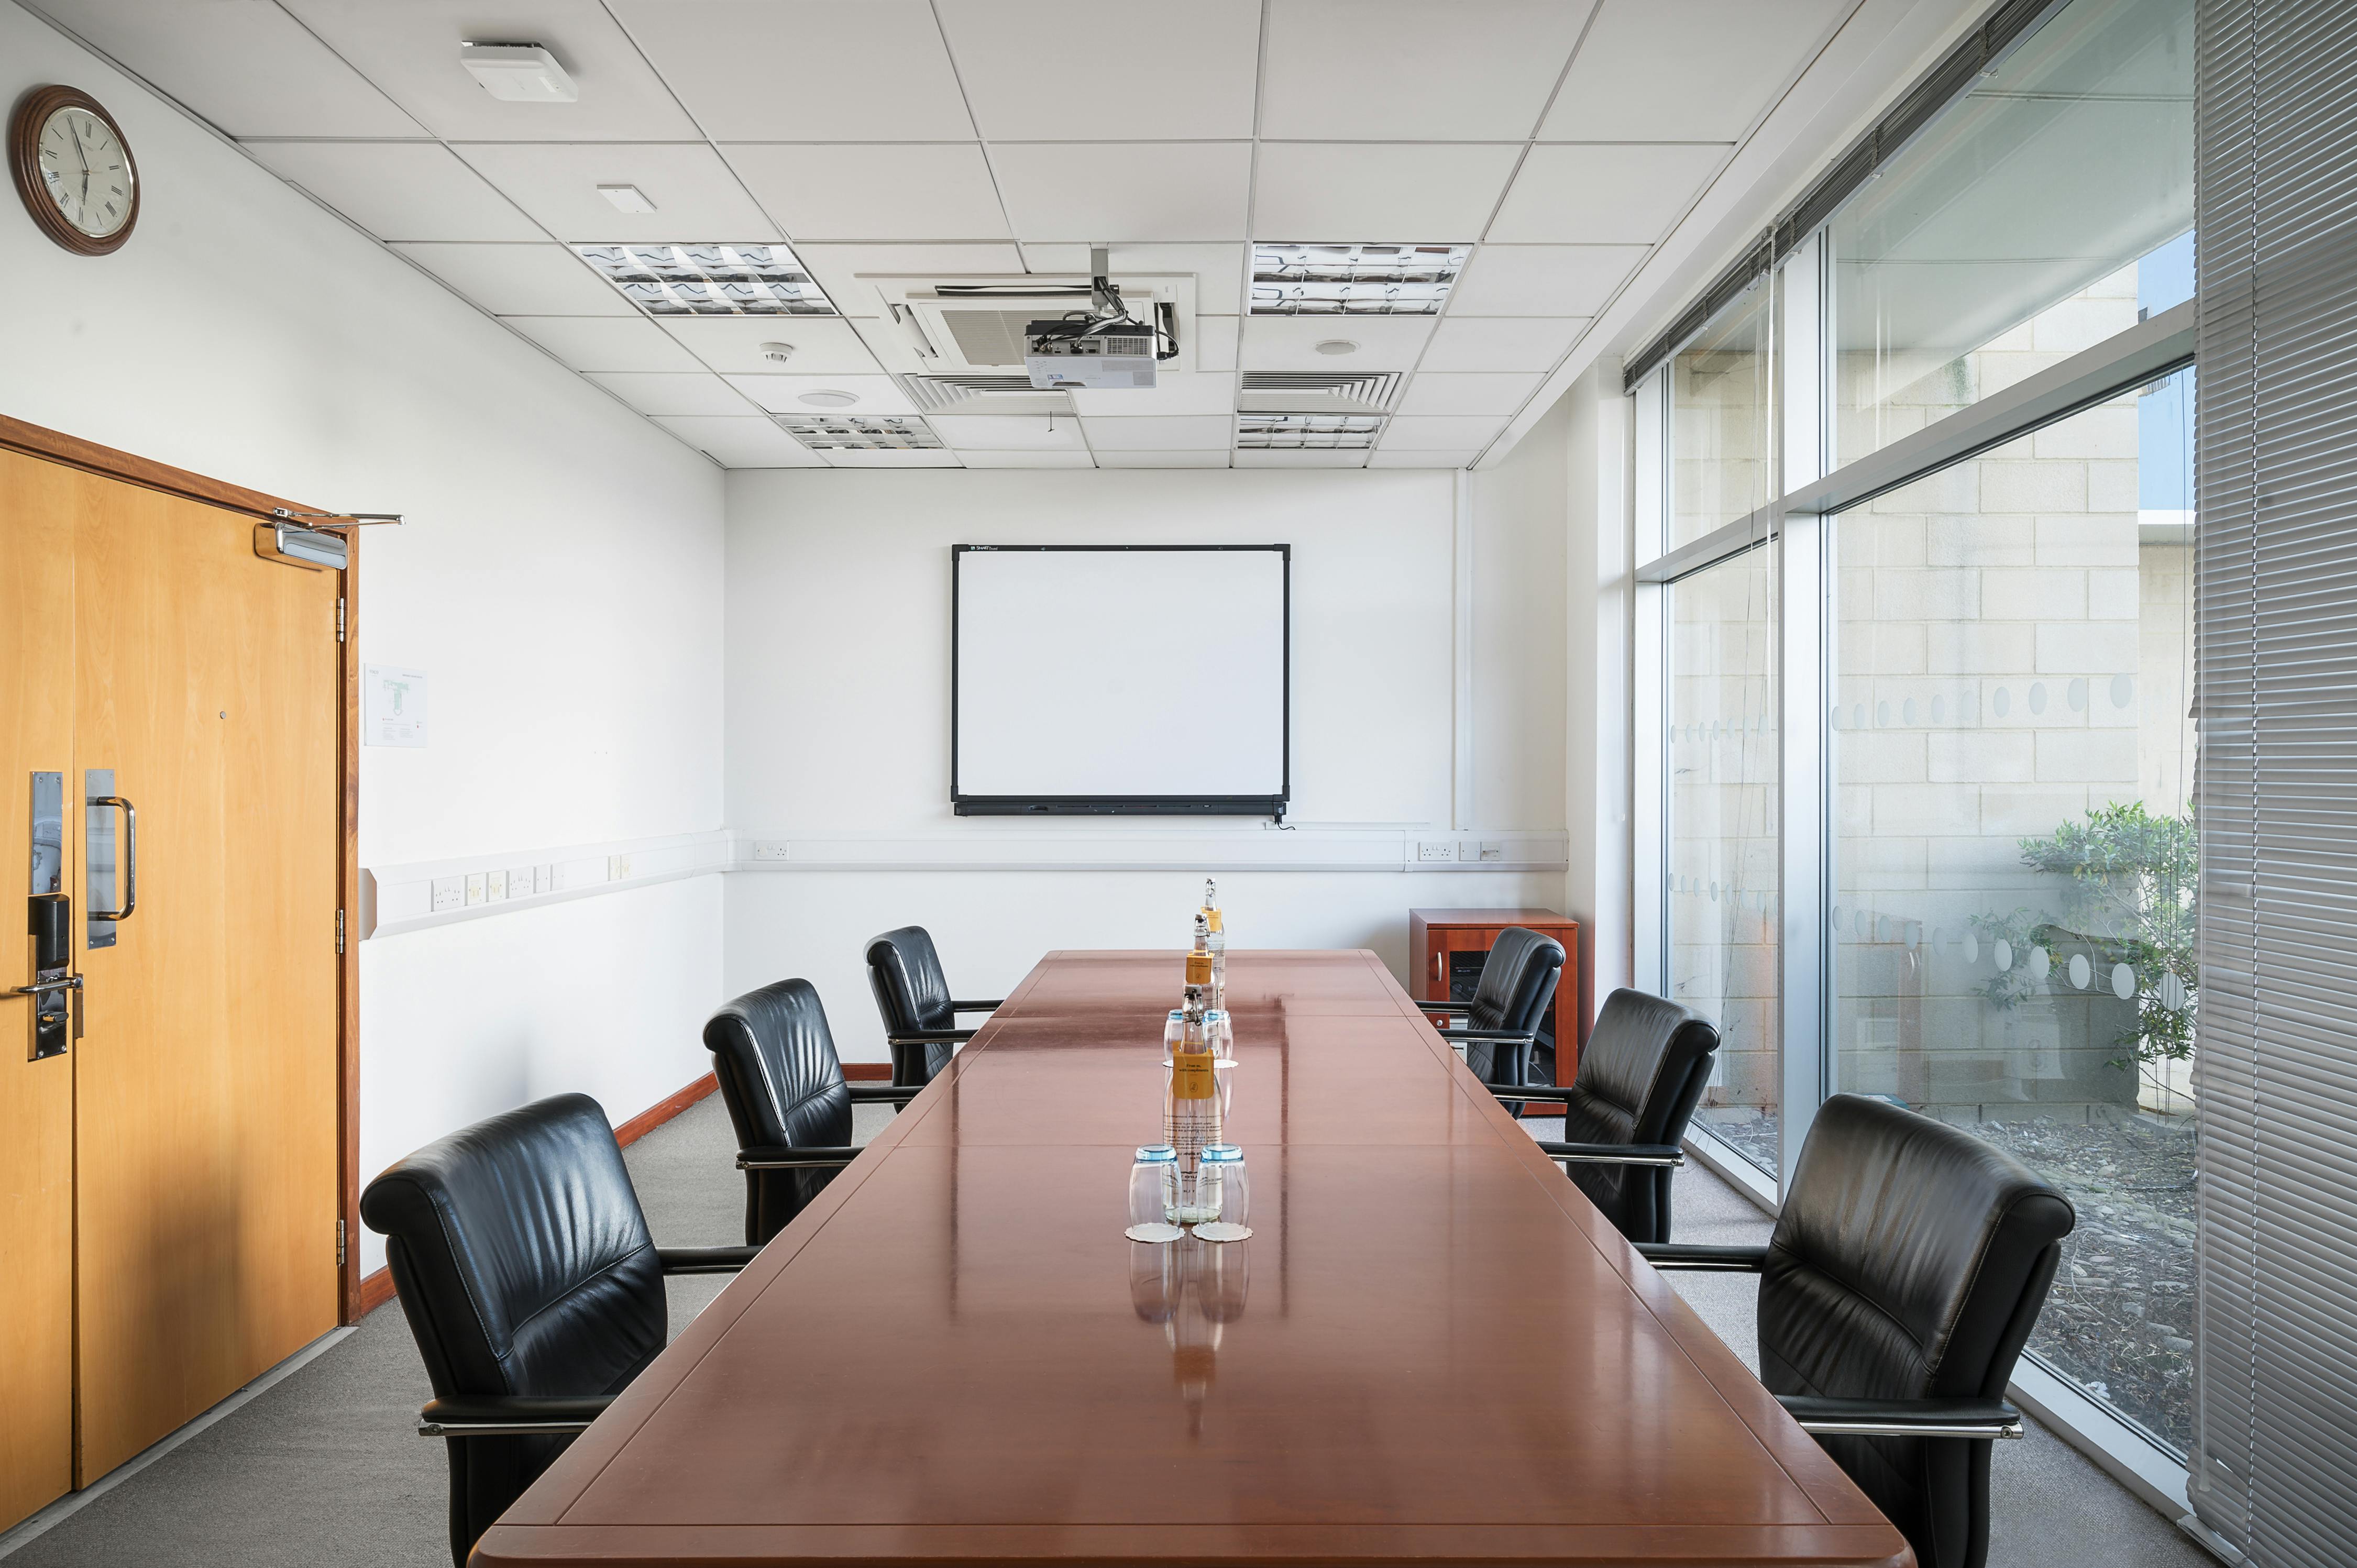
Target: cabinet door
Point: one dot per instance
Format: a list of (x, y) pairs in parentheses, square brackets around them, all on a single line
[(207, 1082), (36, 538)]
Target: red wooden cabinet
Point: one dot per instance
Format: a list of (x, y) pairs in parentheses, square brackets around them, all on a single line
[(1435, 934)]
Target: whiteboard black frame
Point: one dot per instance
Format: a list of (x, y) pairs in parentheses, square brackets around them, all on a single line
[(1272, 806)]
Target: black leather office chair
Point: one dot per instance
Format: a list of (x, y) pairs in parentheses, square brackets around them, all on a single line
[(1625, 1114), (913, 995), (1906, 1270), (783, 1085), (1501, 1022), (531, 1286)]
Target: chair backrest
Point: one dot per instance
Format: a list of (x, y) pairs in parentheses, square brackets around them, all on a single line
[(1910, 1262), (1640, 1074), (1518, 981), (525, 1267), (913, 996), (783, 1085)]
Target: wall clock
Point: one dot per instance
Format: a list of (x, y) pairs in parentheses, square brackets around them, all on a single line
[(73, 169)]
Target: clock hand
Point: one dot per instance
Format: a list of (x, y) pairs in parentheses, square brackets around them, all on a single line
[(83, 157)]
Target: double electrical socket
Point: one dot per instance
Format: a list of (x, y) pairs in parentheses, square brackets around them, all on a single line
[(1455, 850)]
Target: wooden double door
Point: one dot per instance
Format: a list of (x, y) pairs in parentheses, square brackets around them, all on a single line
[(171, 755)]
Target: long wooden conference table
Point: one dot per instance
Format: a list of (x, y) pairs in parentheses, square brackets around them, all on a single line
[(1432, 1349)]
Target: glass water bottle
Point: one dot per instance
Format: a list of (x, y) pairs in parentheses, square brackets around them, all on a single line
[(1191, 1105)]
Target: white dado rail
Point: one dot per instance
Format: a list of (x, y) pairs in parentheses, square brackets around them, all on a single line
[(395, 899)]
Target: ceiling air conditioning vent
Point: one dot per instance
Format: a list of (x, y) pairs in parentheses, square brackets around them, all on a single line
[(983, 394), (1318, 392)]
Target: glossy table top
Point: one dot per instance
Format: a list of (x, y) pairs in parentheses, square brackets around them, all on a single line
[(1432, 1347)]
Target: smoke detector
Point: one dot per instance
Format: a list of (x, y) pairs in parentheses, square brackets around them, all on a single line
[(776, 353)]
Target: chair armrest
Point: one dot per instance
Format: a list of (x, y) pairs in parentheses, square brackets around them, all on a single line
[(1513, 1037), (816, 1156), (511, 1416), (1450, 1007), (1662, 1154), (1681, 1257), (1544, 1093), (883, 1093), (1903, 1418), (977, 1007), (705, 1260), (932, 1037)]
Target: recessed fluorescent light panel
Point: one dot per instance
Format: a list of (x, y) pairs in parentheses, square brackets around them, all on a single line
[(710, 280), (853, 433), (519, 73), (1354, 280), (1307, 432)]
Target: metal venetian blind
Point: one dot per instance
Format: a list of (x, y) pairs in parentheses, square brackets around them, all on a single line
[(2275, 1415)]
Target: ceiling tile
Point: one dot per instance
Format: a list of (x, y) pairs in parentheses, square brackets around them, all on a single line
[(1125, 190), (1277, 458), (1728, 58), (1290, 342), (606, 342), (1378, 458), (399, 191), (1377, 192), (1173, 396), (1108, 459), (741, 441), (1147, 432), (1501, 342), (1402, 70), (974, 457), (1490, 393), (874, 190), (1218, 269), (411, 51), (838, 267), (666, 392), (245, 65), (804, 69), (823, 345), (917, 459), (1215, 342), (1433, 433), (545, 279), (695, 197), (1009, 432), (1210, 47), (1600, 195), (1543, 280), (784, 394)]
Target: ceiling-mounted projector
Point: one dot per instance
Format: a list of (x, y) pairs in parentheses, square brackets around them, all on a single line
[(1101, 349)]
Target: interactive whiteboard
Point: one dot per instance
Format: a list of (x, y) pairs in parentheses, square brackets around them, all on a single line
[(1119, 678)]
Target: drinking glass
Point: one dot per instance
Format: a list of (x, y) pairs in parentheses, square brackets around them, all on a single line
[(1174, 1031), (1222, 1194), (1153, 1195)]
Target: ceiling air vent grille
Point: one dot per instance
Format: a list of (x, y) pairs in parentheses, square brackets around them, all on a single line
[(1318, 392), (983, 394)]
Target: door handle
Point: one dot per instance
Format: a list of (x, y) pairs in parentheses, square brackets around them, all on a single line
[(130, 858)]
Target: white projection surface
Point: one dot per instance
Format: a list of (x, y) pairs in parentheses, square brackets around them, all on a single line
[(1121, 673)]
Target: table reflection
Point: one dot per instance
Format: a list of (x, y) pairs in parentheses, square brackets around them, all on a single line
[(1194, 1289)]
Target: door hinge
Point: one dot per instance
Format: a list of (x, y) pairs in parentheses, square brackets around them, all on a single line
[(340, 931), (339, 1243), (340, 617)]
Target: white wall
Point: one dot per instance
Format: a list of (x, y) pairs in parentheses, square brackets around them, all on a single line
[(558, 579), (838, 693), (1598, 606)]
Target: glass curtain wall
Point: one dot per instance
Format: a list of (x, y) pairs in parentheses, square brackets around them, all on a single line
[(1999, 654)]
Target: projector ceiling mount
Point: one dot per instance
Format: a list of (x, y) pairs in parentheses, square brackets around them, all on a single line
[(1102, 347)]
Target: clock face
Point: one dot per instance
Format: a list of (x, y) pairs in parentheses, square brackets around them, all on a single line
[(86, 172)]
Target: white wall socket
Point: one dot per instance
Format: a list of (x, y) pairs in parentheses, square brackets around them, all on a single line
[(477, 887), (772, 850), (1435, 849), (1492, 849), (449, 893)]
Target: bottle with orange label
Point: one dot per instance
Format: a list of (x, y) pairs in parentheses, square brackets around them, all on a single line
[(1201, 969), (1217, 934), (1190, 1103)]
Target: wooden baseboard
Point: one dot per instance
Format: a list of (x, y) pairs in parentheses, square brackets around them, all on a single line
[(376, 1289), (868, 1072)]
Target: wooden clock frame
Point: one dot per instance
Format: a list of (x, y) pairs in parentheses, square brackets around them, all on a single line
[(32, 112)]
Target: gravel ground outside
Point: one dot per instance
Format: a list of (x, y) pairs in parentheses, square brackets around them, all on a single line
[(2119, 1320)]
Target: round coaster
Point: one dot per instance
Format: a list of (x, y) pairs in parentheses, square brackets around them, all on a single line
[(1154, 1230), (1220, 1230)]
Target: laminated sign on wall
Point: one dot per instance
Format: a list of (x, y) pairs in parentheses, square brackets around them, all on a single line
[(396, 705)]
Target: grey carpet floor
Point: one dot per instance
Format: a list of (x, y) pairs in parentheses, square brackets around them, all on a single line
[(324, 1470)]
